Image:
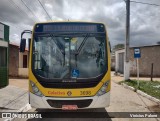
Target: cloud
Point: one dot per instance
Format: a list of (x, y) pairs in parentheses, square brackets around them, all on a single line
[(145, 24)]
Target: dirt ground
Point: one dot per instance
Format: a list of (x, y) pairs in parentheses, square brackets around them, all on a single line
[(22, 83)]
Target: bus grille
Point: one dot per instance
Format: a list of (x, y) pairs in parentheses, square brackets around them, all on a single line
[(79, 103)]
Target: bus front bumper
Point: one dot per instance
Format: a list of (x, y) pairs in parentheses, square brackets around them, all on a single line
[(82, 102)]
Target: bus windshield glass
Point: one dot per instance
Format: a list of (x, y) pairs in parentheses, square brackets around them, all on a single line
[(69, 56)]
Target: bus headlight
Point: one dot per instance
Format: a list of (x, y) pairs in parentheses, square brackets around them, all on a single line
[(35, 89), (103, 89)]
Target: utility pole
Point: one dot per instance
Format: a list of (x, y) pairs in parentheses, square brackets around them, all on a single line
[(126, 63)]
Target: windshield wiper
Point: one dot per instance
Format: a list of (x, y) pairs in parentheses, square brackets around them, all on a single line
[(59, 46), (82, 44), (80, 48)]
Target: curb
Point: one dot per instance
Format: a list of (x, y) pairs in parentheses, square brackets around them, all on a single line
[(23, 109), (128, 87), (142, 93)]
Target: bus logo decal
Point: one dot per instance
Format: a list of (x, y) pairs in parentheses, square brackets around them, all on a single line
[(69, 93)]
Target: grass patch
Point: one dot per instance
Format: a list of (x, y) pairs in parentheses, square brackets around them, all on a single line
[(149, 87)]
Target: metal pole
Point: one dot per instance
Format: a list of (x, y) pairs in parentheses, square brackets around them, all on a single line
[(127, 29), (138, 71), (127, 65)]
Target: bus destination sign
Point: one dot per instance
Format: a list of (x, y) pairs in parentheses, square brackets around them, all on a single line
[(65, 27), (61, 28)]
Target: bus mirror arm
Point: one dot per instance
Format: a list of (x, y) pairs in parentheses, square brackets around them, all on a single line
[(23, 40)]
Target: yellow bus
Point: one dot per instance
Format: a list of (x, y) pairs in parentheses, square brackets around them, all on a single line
[(69, 65)]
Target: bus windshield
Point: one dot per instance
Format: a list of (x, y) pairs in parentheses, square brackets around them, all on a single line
[(69, 56)]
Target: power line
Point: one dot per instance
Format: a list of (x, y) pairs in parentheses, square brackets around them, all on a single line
[(145, 15), (3, 20), (20, 10), (30, 10), (145, 3), (11, 25), (44, 9)]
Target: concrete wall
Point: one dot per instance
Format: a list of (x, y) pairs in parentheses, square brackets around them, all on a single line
[(13, 60), (16, 62), (21, 59), (117, 59), (113, 62), (23, 72), (3, 43), (149, 55)]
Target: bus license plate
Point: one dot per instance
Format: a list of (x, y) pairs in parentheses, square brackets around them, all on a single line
[(69, 107)]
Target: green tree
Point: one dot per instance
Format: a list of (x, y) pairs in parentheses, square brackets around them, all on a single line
[(118, 46)]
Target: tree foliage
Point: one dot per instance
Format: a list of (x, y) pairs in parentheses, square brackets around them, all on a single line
[(118, 46)]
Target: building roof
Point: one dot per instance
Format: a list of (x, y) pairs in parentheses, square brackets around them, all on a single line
[(145, 46), (137, 47), (16, 45), (3, 24)]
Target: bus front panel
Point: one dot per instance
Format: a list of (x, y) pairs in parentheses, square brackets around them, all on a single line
[(69, 65)]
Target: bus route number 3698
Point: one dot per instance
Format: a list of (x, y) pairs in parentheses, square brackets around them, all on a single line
[(85, 92)]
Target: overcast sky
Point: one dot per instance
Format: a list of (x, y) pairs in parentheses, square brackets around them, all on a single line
[(145, 19)]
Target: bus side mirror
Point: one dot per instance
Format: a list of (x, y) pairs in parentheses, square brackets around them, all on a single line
[(22, 45)]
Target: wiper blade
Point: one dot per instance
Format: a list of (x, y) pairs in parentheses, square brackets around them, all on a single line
[(59, 46), (82, 44)]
